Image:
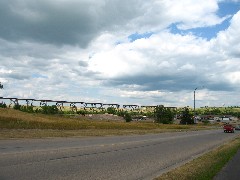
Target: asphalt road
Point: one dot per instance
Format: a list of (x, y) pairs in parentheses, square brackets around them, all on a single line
[(115, 157)]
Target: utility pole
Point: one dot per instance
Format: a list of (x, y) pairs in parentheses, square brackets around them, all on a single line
[(194, 105)]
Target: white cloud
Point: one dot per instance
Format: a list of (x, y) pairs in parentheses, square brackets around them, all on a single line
[(234, 77), (85, 54), (229, 40), (191, 14), (160, 54), (4, 71)]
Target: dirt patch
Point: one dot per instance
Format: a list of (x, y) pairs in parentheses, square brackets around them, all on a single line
[(104, 117)]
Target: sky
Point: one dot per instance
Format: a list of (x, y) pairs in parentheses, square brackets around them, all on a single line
[(154, 52)]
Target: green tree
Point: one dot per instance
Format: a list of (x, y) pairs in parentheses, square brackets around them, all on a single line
[(28, 109), (17, 107), (127, 117), (111, 110), (163, 115), (120, 113), (187, 117), (82, 112), (216, 111), (3, 105), (49, 109)]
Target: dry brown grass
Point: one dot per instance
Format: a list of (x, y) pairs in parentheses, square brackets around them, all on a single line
[(17, 124), (44, 133)]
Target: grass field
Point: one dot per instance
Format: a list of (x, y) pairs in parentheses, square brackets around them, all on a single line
[(206, 166), (17, 124)]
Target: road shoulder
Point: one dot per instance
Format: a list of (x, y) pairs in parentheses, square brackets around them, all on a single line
[(231, 169)]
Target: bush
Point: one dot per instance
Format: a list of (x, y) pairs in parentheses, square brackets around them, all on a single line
[(82, 112), (17, 107), (121, 113), (163, 115), (28, 109), (127, 117), (205, 122), (49, 109), (111, 110), (3, 105), (187, 117)]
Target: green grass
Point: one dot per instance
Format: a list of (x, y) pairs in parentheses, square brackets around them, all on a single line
[(206, 166)]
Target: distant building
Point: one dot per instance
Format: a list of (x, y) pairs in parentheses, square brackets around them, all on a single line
[(225, 119)]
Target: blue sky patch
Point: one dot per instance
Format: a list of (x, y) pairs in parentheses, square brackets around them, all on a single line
[(225, 9), (35, 75), (135, 36), (228, 8), (204, 32)]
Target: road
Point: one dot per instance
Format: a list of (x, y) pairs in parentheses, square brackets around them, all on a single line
[(113, 157)]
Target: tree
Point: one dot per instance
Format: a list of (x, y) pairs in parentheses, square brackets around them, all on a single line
[(187, 117), (163, 115), (2, 105), (215, 111), (111, 110), (127, 117), (49, 109)]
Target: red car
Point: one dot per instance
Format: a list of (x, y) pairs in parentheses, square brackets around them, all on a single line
[(228, 128)]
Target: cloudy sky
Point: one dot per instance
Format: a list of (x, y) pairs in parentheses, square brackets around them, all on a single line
[(122, 51)]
